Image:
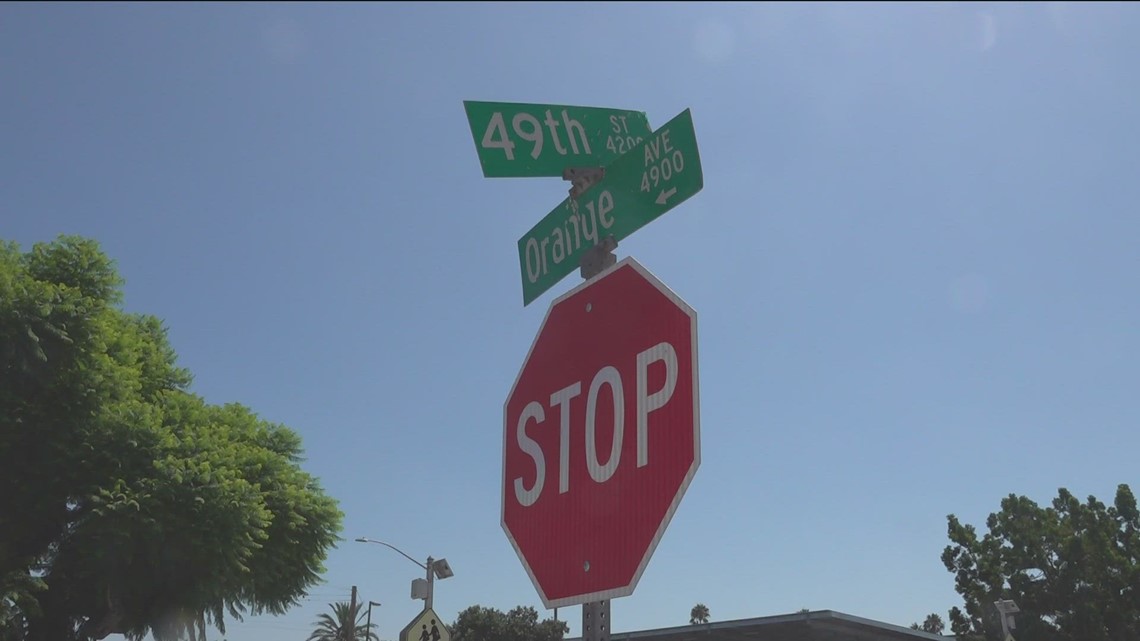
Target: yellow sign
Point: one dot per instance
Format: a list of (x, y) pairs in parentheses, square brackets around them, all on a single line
[(425, 627)]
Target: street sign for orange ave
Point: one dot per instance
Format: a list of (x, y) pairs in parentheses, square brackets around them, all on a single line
[(655, 176)]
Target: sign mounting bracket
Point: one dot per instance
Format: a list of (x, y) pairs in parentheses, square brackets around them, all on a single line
[(582, 178)]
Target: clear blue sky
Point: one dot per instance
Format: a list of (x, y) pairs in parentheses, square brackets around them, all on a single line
[(914, 260)]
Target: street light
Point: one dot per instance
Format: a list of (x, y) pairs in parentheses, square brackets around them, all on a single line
[(368, 626), (435, 569)]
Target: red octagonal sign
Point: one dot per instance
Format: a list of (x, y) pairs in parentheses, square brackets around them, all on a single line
[(601, 435)]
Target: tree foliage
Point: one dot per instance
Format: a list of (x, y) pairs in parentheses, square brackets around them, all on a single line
[(132, 505), (699, 614), (343, 624), (1072, 568), (478, 623), (932, 624)]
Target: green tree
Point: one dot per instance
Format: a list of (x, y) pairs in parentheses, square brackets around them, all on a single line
[(17, 601), (344, 624), (932, 624), (478, 623), (699, 614), (1073, 569), (134, 506)]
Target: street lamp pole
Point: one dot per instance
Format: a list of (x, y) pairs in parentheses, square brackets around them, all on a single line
[(368, 626), (432, 569), (362, 539)]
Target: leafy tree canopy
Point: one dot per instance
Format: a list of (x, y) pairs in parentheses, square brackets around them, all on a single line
[(132, 506), (478, 623), (1072, 568)]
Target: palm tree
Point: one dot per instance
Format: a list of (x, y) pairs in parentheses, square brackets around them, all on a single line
[(344, 621), (932, 624), (699, 614)]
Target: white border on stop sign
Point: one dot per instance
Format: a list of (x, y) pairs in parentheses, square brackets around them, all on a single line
[(684, 487)]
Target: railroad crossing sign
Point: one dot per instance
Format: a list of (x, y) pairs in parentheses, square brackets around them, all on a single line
[(601, 434), (655, 176)]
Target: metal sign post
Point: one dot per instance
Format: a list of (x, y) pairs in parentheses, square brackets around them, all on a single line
[(595, 614), (596, 621)]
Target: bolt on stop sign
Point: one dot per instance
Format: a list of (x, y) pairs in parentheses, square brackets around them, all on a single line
[(601, 435)]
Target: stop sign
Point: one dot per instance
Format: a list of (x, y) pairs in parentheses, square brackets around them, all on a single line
[(601, 435)]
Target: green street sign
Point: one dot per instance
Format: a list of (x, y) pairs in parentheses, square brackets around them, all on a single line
[(519, 140), (649, 180)]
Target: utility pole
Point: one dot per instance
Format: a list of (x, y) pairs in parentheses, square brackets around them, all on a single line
[(351, 631)]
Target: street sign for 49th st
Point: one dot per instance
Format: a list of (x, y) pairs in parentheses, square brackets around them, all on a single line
[(650, 179), (521, 140)]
